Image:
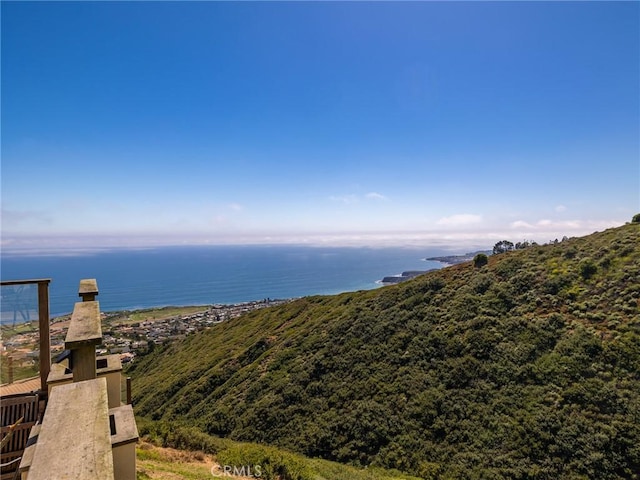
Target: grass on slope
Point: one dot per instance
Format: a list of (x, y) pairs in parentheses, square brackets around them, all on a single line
[(200, 456)]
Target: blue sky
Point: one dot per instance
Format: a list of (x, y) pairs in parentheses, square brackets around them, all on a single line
[(132, 123)]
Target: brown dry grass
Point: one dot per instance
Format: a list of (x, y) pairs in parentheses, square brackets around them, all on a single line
[(159, 463)]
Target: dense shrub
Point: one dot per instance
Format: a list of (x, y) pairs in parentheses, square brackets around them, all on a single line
[(588, 268), (265, 462), (174, 435), (480, 260)]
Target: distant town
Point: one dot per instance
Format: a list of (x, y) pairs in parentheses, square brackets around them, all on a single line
[(125, 335)]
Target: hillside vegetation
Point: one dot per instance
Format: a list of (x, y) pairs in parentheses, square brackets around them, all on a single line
[(527, 367)]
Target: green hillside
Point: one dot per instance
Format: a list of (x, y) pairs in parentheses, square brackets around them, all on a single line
[(526, 368)]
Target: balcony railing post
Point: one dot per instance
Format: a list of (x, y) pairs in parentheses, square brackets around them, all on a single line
[(129, 391), (88, 290), (43, 324)]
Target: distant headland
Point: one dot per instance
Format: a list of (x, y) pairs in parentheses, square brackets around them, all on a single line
[(403, 276), (446, 260), (455, 259)]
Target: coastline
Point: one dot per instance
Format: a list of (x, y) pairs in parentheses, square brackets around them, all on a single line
[(445, 261)]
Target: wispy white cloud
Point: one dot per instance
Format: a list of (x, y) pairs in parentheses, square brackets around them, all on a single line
[(571, 224), (460, 220), (521, 224), (546, 224), (346, 199), (352, 198), (18, 219), (375, 196), (236, 207), (561, 208), (546, 228)]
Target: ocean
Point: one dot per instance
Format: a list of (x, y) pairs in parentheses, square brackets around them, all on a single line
[(131, 279)]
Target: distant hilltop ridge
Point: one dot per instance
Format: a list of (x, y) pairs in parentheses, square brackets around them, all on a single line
[(447, 260)]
